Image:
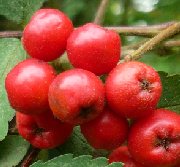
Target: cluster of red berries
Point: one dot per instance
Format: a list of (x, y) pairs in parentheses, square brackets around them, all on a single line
[(49, 105)]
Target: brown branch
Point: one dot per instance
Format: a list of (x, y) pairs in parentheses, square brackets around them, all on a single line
[(172, 43), (101, 11), (30, 157), (10, 34), (149, 45), (147, 31)]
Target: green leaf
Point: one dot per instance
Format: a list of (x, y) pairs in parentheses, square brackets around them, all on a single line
[(73, 8), (77, 145), (81, 161), (11, 52), (61, 64), (13, 149), (19, 11), (170, 98), (116, 164), (57, 160)]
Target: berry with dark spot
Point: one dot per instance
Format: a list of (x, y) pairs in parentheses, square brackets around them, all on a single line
[(76, 96), (133, 89)]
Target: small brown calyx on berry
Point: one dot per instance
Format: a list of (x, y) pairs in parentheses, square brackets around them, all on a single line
[(145, 85), (85, 111), (165, 142), (38, 131)]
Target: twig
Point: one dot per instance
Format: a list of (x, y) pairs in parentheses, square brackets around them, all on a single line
[(126, 52), (172, 43), (29, 158), (149, 45), (147, 31), (163, 48), (9, 34), (101, 11)]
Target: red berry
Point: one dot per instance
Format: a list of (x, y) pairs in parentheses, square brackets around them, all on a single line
[(94, 48), (27, 86), (107, 131), (155, 140), (133, 89), (43, 131), (121, 154), (45, 36), (76, 96)]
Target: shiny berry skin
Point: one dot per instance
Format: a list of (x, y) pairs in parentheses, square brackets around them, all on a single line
[(133, 89), (155, 140), (43, 131), (45, 36), (76, 96), (107, 131), (27, 86), (94, 48), (121, 154)]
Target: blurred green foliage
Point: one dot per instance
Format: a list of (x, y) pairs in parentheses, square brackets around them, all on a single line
[(119, 12)]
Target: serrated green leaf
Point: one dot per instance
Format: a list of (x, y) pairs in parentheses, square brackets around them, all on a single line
[(30, 6), (170, 98), (116, 164), (13, 149), (81, 161), (100, 162), (77, 145), (55, 161), (20, 10), (11, 52)]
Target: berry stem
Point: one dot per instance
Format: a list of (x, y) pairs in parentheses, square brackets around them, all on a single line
[(101, 11), (30, 156), (149, 45)]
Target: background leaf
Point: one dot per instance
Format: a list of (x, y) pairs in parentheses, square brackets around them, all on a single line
[(77, 145), (11, 52), (13, 149), (170, 98), (19, 11), (81, 161)]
